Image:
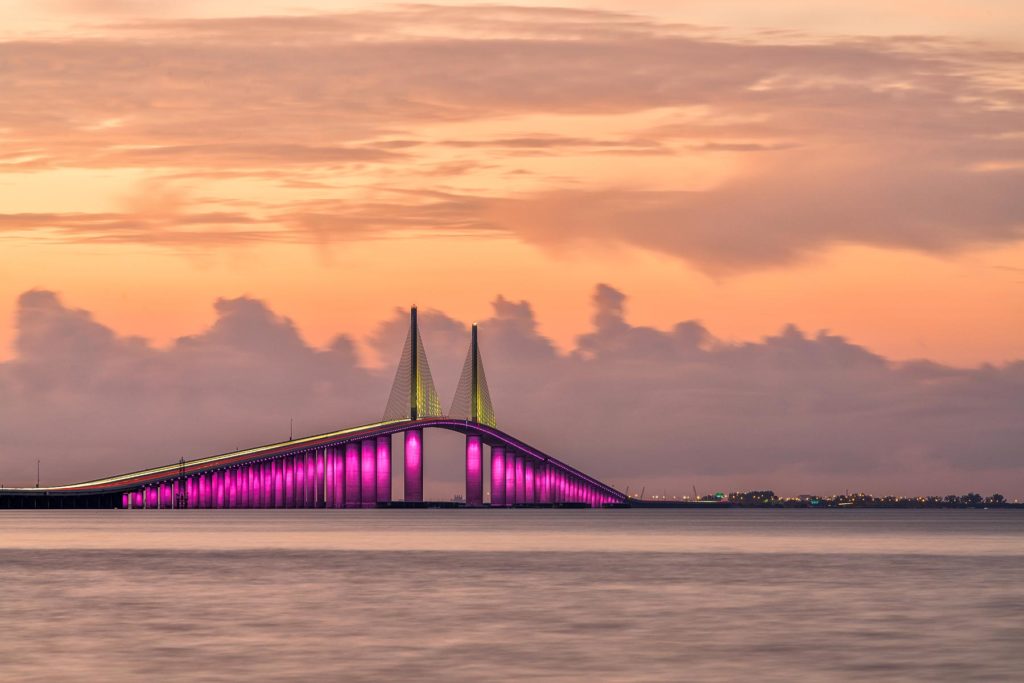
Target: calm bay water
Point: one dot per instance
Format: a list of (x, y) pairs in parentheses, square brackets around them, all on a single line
[(549, 595)]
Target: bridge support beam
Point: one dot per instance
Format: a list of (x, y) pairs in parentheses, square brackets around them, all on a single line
[(384, 469), (510, 478), (520, 479), (497, 475), (529, 484), (474, 471), (414, 466), (339, 477), (352, 475), (368, 467)]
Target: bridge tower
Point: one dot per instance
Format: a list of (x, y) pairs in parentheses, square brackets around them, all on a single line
[(413, 396), (473, 403)]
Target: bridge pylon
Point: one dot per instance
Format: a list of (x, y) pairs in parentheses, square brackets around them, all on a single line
[(413, 396), (472, 403)]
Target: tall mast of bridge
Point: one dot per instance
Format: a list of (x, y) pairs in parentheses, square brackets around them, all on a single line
[(414, 380)]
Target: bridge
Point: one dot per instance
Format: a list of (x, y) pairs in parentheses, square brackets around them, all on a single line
[(351, 468)]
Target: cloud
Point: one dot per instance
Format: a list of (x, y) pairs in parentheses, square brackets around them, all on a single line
[(633, 405), (910, 143)]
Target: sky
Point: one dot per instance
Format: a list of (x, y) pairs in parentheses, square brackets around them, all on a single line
[(733, 244)]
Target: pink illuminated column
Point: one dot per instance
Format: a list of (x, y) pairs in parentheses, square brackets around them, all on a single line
[(352, 476), (302, 476), (269, 484), (528, 481), (414, 466), (520, 479), (262, 484), (288, 464), (299, 473), (368, 467), (321, 478), (497, 475), (510, 478), (251, 488), (339, 477), (329, 478), (544, 472), (474, 471), (384, 469), (309, 459)]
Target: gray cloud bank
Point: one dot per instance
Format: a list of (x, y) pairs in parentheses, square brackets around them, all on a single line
[(634, 405)]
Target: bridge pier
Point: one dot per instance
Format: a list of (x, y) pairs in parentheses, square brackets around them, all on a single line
[(510, 477), (520, 479), (528, 481), (339, 476), (414, 466), (474, 471), (368, 468), (352, 475), (384, 469), (497, 475), (330, 479)]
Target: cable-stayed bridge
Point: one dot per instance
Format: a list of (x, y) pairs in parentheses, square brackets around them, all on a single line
[(351, 468)]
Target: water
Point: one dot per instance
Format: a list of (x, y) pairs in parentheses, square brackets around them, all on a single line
[(547, 595)]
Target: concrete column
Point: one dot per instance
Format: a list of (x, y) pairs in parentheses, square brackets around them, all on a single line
[(384, 469), (250, 490), (497, 475), (544, 495), (268, 484), (339, 477), (528, 481), (414, 466), (259, 485), (299, 477), (474, 471), (321, 478), (510, 478), (368, 468), (520, 479), (353, 498), (288, 479), (329, 477), (309, 464)]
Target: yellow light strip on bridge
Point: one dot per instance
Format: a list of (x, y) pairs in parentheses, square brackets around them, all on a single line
[(212, 459)]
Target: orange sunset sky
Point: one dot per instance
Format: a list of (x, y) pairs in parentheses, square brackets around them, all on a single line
[(855, 167)]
